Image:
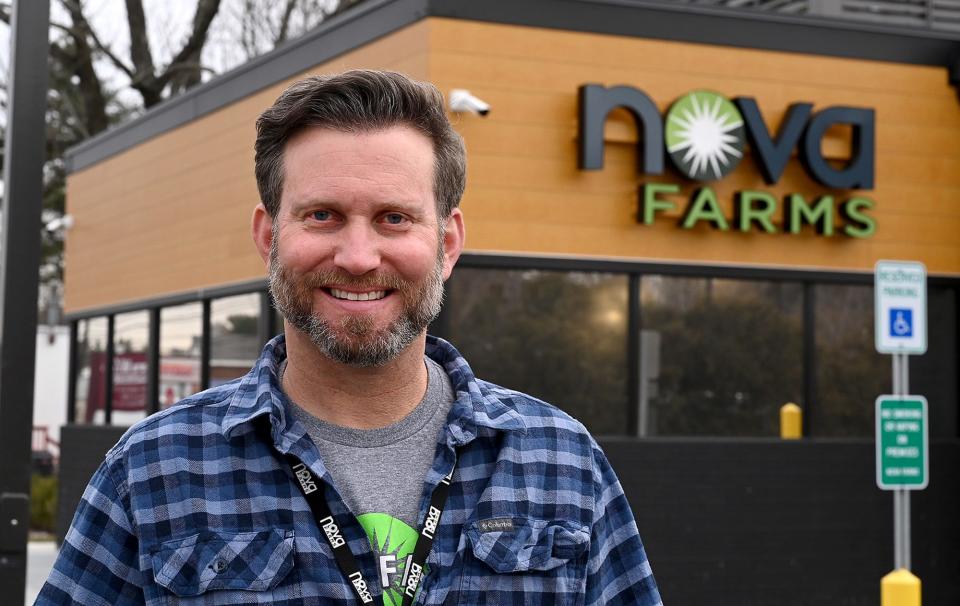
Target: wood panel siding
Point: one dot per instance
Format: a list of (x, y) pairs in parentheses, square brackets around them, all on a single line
[(526, 194), (172, 214)]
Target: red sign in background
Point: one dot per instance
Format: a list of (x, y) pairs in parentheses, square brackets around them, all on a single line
[(129, 382)]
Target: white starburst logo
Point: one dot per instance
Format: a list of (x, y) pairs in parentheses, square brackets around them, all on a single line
[(704, 135)]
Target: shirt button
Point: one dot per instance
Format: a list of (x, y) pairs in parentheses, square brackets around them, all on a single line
[(219, 565)]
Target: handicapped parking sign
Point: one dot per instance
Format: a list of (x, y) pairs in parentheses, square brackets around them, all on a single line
[(900, 312), (901, 323)]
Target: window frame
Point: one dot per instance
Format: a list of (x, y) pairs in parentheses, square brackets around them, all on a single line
[(633, 270)]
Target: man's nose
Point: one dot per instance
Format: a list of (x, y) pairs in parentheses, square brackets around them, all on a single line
[(357, 250)]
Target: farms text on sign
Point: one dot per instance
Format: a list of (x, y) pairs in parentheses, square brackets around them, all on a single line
[(704, 133)]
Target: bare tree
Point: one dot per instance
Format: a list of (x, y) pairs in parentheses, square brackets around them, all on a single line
[(262, 25), (152, 82)]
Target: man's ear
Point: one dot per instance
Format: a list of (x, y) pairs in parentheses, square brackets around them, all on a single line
[(262, 228), (454, 235)]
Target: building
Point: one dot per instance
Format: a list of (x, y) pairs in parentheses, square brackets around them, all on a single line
[(669, 292)]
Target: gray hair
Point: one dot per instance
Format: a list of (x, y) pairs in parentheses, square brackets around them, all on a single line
[(360, 101)]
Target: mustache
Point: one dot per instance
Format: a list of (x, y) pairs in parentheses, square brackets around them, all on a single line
[(325, 278)]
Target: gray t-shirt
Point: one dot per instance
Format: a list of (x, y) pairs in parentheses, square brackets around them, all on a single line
[(380, 472)]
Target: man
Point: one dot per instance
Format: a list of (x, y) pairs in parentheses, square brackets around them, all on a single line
[(360, 461)]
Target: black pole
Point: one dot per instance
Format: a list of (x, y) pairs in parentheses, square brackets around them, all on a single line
[(808, 420), (633, 356), (205, 330), (108, 372), (152, 404), (20, 247), (72, 371)]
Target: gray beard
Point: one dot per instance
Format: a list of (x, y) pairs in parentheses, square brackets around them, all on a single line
[(356, 342)]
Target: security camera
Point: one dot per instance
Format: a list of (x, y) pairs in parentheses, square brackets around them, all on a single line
[(462, 101)]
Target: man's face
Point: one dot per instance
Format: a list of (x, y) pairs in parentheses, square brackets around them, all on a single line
[(357, 256)]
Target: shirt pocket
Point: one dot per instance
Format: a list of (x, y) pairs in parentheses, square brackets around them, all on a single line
[(215, 567), (530, 561)]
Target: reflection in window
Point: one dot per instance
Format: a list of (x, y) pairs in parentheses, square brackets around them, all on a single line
[(720, 356), (277, 322), (91, 380), (850, 374), (180, 333), (234, 337), (130, 340), (559, 336), (934, 374)]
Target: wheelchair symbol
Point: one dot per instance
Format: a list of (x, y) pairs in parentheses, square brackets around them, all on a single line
[(901, 322)]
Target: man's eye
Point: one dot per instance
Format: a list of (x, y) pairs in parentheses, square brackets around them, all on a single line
[(321, 215), (393, 218)]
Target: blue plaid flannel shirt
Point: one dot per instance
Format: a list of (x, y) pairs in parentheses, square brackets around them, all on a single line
[(194, 505)]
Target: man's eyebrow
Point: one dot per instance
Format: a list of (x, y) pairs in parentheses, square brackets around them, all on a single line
[(407, 206)]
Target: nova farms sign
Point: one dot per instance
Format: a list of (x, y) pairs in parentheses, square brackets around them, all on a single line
[(705, 134)]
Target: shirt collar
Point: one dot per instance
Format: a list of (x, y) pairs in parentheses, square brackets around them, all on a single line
[(259, 392), (477, 405)]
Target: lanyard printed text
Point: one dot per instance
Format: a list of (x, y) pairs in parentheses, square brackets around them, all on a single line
[(430, 524), (305, 478), (413, 579), (332, 531), (361, 586)]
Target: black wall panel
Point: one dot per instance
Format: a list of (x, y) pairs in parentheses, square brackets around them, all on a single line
[(780, 523), (736, 522), (82, 448)]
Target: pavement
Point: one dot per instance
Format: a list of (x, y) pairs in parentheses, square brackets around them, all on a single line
[(40, 558)]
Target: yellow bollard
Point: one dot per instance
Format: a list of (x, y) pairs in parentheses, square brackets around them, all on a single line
[(900, 588), (791, 422)]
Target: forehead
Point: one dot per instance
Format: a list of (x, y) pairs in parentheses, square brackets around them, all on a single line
[(394, 162)]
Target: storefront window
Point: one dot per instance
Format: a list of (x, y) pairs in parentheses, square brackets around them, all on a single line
[(934, 374), (130, 341), (234, 336), (721, 356), (91, 379), (277, 323), (850, 374), (559, 336), (180, 334), (718, 357)]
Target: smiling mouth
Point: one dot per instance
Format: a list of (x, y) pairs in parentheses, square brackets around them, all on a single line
[(357, 296)]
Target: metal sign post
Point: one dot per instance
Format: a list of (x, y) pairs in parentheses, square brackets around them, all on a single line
[(900, 291), (902, 458), (20, 247)]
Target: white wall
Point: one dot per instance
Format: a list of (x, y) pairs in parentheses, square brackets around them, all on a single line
[(50, 379)]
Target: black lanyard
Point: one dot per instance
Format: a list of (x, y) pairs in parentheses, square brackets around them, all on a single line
[(312, 490)]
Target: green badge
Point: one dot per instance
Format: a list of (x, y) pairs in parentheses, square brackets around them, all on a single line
[(704, 135), (393, 541)]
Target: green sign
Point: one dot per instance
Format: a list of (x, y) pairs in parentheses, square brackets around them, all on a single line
[(902, 445)]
